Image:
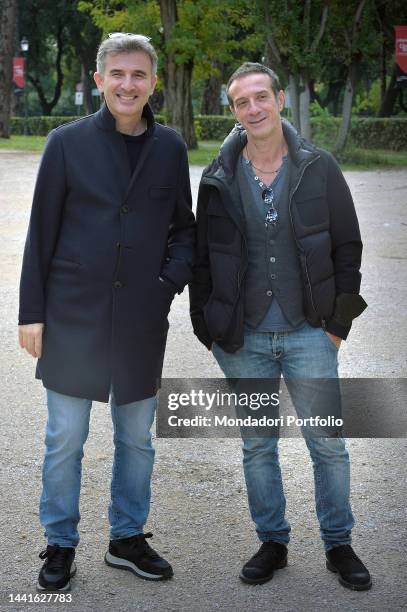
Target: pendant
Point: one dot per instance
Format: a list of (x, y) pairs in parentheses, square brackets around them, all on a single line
[(271, 216)]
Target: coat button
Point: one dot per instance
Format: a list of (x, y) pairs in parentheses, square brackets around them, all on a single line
[(273, 276), (269, 292), (117, 284), (272, 259), (124, 209)]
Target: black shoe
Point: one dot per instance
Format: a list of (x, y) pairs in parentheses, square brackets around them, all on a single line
[(260, 568), (134, 554), (58, 569), (352, 573)]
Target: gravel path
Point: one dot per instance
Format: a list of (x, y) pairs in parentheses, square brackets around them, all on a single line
[(199, 512)]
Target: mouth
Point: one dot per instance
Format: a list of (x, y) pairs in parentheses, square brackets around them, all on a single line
[(257, 122), (126, 98)]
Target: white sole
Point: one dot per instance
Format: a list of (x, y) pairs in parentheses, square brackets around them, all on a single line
[(120, 563)]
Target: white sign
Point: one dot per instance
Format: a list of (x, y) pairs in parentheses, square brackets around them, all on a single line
[(79, 98), (223, 97)]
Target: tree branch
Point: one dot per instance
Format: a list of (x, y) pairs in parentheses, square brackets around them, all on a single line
[(322, 27), (270, 40)]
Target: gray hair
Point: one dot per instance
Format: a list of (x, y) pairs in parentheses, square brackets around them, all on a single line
[(253, 68), (119, 42)]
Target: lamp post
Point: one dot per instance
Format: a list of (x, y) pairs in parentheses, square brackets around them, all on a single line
[(24, 44)]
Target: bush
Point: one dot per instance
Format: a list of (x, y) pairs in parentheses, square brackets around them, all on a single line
[(367, 133), (41, 126), (387, 133), (213, 127)]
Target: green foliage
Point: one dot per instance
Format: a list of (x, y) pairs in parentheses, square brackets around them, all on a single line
[(41, 126), (387, 133), (214, 127), (368, 102)]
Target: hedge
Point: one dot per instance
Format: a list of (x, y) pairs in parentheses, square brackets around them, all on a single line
[(368, 133), (40, 126)]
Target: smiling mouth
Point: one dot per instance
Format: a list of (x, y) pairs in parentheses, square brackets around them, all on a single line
[(257, 122), (126, 98)]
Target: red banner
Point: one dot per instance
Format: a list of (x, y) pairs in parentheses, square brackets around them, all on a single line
[(401, 46), (18, 71)]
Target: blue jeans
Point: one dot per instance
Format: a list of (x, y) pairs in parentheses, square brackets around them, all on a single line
[(66, 433), (305, 353)]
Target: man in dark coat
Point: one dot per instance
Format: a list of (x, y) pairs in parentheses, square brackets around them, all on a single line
[(275, 290), (109, 244)]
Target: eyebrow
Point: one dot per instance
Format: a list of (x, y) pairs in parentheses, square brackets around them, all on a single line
[(137, 71), (263, 91)]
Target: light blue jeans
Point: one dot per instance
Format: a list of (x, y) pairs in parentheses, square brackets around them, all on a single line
[(301, 354), (66, 433)]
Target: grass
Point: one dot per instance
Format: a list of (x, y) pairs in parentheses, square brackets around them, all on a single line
[(23, 143), (352, 158)]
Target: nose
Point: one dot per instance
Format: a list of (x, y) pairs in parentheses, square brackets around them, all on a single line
[(253, 108), (127, 83)]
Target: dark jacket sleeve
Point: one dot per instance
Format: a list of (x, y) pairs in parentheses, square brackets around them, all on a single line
[(201, 286), (181, 237), (46, 212), (346, 252)]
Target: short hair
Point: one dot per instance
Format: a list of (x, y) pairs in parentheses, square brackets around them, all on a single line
[(253, 68), (120, 42)]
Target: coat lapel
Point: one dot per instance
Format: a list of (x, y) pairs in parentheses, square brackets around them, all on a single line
[(118, 151)]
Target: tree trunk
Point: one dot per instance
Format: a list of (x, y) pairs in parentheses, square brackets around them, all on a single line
[(390, 97), (305, 123), (87, 90), (211, 103), (346, 108), (47, 106), (294, 100), (8, 14), (178, 79)]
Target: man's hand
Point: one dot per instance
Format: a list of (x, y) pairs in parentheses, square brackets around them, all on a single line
[(30, 338), (335, 339)]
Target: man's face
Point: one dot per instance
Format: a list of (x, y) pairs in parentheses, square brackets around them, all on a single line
[(127, 83), (255, 105)]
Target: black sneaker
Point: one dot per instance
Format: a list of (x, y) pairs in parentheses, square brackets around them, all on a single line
[(58, 569), (260, 568), (134, 554), (352, 573)]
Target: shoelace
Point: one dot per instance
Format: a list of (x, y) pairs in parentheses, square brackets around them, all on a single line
[(349, 553), (54, 554), (140, 542), (266, 549)]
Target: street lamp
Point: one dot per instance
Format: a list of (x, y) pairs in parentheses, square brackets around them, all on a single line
[(24, 44)]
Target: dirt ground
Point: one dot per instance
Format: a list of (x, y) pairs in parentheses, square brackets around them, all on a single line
[(199, 514)]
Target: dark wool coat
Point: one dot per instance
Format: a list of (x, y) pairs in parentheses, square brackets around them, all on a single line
[(99, 239)]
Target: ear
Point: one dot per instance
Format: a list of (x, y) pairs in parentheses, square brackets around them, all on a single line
[(232, 110), (281, 99), (98, 78), (153, 84)]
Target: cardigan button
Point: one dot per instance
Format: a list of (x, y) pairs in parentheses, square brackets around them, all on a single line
[(117, 284), (269, 293)]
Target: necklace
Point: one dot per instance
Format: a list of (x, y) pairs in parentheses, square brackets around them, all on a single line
[(259, 169)]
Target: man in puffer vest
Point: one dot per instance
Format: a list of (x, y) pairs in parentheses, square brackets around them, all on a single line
[(275, 290)]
